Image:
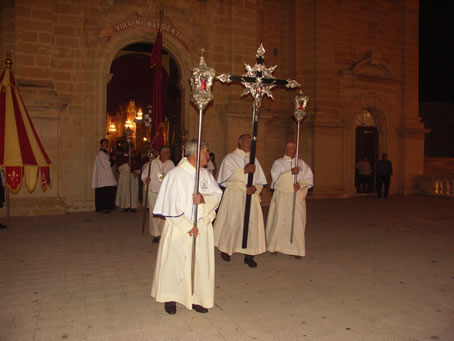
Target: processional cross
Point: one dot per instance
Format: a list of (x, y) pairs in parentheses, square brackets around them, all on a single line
[(258, 81)]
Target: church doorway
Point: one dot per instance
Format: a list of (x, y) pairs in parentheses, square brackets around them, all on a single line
[(366, 152), (129, 102)]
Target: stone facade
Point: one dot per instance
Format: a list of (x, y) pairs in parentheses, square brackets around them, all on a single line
[(349, 55)]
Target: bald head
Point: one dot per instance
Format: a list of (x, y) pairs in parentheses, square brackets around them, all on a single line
[(290, 149)]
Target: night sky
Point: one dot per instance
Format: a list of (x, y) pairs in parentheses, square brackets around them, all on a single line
[(436, 63)]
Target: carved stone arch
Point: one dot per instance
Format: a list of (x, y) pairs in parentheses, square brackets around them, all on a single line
[(175, 49), (377, 104), (373, 103), (105, 55)]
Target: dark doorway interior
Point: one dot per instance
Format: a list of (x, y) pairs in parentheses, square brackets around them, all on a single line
[(132, 80), (366, 146)]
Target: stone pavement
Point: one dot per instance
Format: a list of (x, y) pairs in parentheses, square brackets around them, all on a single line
[(375, 270)]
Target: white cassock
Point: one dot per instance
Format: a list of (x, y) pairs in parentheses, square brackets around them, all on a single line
[(157, 172), (228, 227), (102, 171), (210, 167), (278, 225), (127, 182), (172, 275)]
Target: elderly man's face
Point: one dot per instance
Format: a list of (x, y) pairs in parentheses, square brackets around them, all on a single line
[(245, 144), (290, 150), (164, 155)]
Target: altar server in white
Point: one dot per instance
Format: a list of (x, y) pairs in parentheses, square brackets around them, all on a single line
[(103, 180), (228, 227), (278, 226), (176, 202), (159, 168), (128, 182)]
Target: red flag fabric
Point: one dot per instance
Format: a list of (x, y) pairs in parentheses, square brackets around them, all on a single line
[(156, 99), (45, 177), (13, 178)]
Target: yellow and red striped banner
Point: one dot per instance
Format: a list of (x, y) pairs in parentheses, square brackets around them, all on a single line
[(20, 146)]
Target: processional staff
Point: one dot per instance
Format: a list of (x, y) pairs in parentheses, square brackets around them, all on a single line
[(299, 114), (258, 81), (201, 78), (129, 139), (147, 122)]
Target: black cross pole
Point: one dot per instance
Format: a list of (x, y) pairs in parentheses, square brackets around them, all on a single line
[(258, 81)]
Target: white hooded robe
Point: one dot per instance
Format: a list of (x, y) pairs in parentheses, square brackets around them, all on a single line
[(155, 222), (172, 276), (278, 226), (228, 227)]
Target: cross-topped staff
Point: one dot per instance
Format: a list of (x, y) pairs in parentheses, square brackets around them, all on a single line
[(258, 81), (299, 114), (201, 79)]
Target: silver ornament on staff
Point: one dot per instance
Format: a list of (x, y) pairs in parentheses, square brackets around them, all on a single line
[(299, 114), (201, 79)]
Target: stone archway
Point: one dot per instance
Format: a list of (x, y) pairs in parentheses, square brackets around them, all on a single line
[(366, 151), (130, 91), (104, 56), (376, 104), (92, 108)]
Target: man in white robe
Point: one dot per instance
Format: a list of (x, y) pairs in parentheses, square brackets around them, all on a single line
[(128, 182), (103, 180), (228, 227), (176, 202), (278, 226), (159, 168)]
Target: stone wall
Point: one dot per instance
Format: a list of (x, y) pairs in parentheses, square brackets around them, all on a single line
[(348, 55), (439, 166)]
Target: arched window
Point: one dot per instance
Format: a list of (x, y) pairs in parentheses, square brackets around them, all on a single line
[(365, 119)]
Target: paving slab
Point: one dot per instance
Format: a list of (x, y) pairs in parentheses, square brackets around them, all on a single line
[(374, 270)]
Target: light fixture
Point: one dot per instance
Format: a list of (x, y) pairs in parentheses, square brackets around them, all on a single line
[(112, 127), (139, 116)]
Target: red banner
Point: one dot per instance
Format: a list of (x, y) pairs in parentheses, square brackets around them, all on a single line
[(13, 178), (155, 62), (45, 178)]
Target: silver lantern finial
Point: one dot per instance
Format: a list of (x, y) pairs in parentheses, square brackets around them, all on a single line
[(201, 78), (300, 104)]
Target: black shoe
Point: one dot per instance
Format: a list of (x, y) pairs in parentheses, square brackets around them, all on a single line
[(133, 210), (106, 211), (171, 308), (2, 226), (125, 209), (249, 260), (199, 309), (225, 257), (156, 239)]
